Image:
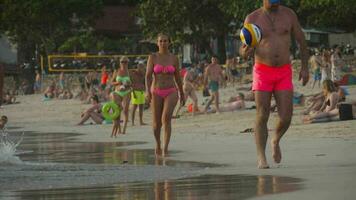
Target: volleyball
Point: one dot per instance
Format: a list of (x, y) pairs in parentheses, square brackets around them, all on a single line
[(250, 35)]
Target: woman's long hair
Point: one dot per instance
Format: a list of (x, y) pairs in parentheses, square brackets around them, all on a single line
[(329, 85)]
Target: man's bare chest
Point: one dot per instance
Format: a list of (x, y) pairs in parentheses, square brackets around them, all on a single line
[(274, 25)]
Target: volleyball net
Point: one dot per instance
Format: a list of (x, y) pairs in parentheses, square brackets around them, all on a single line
[(86, 63)]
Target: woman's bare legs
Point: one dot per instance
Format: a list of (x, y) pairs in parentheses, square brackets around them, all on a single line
[(96, 117), (84, 118), (157, 108), (169, 105), (321, 115)]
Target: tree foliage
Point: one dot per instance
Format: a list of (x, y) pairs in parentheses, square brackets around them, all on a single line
[(186, 21), (329, 13), (46, 24)]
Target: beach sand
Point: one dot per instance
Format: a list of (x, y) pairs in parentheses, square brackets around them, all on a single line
[(322, 155)]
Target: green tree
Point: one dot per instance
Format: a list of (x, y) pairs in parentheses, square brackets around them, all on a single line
[(187, 21), (42, 26), (329, 13)]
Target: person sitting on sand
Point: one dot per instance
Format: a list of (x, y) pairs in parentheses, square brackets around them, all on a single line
[(9, 98), (94, 112), (50, 92), (315, 102), (66, 94), (3, 121), (329, 108)]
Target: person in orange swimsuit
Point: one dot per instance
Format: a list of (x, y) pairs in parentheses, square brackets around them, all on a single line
[(162, 77)]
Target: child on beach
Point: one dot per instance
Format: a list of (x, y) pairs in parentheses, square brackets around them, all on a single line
[(212, 77), (189, 91)]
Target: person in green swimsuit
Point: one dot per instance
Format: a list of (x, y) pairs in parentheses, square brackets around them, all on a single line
[(213, 75), (120, 96)]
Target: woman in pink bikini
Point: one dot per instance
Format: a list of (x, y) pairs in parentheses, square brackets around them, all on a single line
[(162, 80)]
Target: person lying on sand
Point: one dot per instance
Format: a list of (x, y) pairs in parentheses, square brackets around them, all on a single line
[(238, 104)]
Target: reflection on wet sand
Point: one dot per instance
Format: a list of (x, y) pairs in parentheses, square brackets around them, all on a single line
[(61, 148), (204, 187)]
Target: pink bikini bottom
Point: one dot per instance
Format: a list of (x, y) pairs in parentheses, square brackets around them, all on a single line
[(164, 92)]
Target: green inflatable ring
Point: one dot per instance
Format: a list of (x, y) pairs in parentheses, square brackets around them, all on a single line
[(116, 111)]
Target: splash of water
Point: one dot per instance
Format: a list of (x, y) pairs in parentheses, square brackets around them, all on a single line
[(8, 148)]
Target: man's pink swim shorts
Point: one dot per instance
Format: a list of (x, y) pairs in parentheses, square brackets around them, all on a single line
[(269, 79)]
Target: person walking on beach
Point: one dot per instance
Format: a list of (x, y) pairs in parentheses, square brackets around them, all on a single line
[(336, 64), (315, 63), (138, 92), (272, 73), (213, 75), (325, 65), (162, 80), (122, 84)]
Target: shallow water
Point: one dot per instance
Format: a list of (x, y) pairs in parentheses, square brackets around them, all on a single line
[(202, 187), (55, 166)]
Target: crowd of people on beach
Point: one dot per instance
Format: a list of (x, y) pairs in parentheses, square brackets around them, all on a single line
[(160, 84)]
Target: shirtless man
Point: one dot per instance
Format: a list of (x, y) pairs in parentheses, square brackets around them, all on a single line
[(138, 92), (315, 63), (272, 74), (189, 91), (213, 75)]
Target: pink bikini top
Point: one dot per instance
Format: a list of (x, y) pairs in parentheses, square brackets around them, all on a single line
[(158, 69)]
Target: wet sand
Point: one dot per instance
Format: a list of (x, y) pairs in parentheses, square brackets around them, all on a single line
[(322, 155)]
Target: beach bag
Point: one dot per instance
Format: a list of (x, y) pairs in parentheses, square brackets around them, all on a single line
[(345, 111)]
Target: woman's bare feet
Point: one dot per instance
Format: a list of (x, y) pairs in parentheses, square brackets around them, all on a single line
[(165, 153), (262, 164), (276, 151), (158, 152)]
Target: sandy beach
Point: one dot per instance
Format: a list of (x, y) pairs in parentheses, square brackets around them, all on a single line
[(322, 155)]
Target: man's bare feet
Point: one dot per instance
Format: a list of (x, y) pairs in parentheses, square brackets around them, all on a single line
[(276, 151)]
